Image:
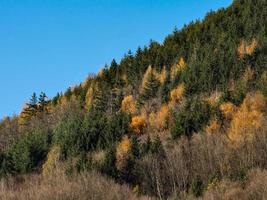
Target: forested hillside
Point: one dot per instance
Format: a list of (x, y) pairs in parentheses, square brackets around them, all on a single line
[(184, 119)]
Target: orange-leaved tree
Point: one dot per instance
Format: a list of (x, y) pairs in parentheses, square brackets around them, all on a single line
[(138, 125), (128, 105), (248, 119), (159, 120), (123, 153)]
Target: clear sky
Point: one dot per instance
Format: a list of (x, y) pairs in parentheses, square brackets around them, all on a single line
[(49, 45)]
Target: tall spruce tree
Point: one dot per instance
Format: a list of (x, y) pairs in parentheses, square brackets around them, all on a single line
[(30, 108), (150, 89), (42, 102), (99, 101)]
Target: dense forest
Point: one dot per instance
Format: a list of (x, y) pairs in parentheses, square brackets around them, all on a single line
[(184, 119)]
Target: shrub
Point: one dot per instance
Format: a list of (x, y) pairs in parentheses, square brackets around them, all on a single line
[(212, 127), (123, 153), (197, 187), (85, 185), (109, 164), (228, 109)]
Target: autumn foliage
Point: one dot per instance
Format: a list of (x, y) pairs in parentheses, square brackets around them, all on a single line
[(149, 72), (246, 48), (138, 124), (89, 97), (177, 94), (178, 67), (213, 126), (129, 105), (161, 76), (228, 109), (159, 120), (52, 160), (248, 118), (123, 153)]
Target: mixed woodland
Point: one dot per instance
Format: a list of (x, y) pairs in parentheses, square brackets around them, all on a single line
[(181, 119)]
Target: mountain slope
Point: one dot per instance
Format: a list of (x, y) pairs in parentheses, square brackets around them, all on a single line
[(171, 120)]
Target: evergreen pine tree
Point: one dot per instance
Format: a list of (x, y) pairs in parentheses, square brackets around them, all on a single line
[(29, 110), (42, 103), (99, 101), (150, 89)]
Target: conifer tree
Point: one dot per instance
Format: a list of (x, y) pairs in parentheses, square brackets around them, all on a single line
[(150, 88), (99, 101), (31, 107), (29, 110), (42, 102)]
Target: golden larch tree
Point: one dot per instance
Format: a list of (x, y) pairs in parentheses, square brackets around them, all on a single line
[(246, 48), (123, 153), (177, 94), (213, 126), (248, 119), (89, 97), (52, 160), (129, 105), (138, 125), (228, 109), (159, 120), (178, 67)]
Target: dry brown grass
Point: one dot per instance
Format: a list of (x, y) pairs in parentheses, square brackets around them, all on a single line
[(58, 186)]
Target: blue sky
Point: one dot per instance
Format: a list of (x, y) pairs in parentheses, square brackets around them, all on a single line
[(49, 45)]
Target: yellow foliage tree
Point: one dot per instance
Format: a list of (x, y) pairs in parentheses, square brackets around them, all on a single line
[(129, 105), (123, 153), (101, 72), (23, 117), (213, 126), (89, 98), (246, 48), (248, 119), (159, 120), (177, 94), (138, 124), (148, 73), (228, 109), (161, 76), (178, 67), (52, 160)]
